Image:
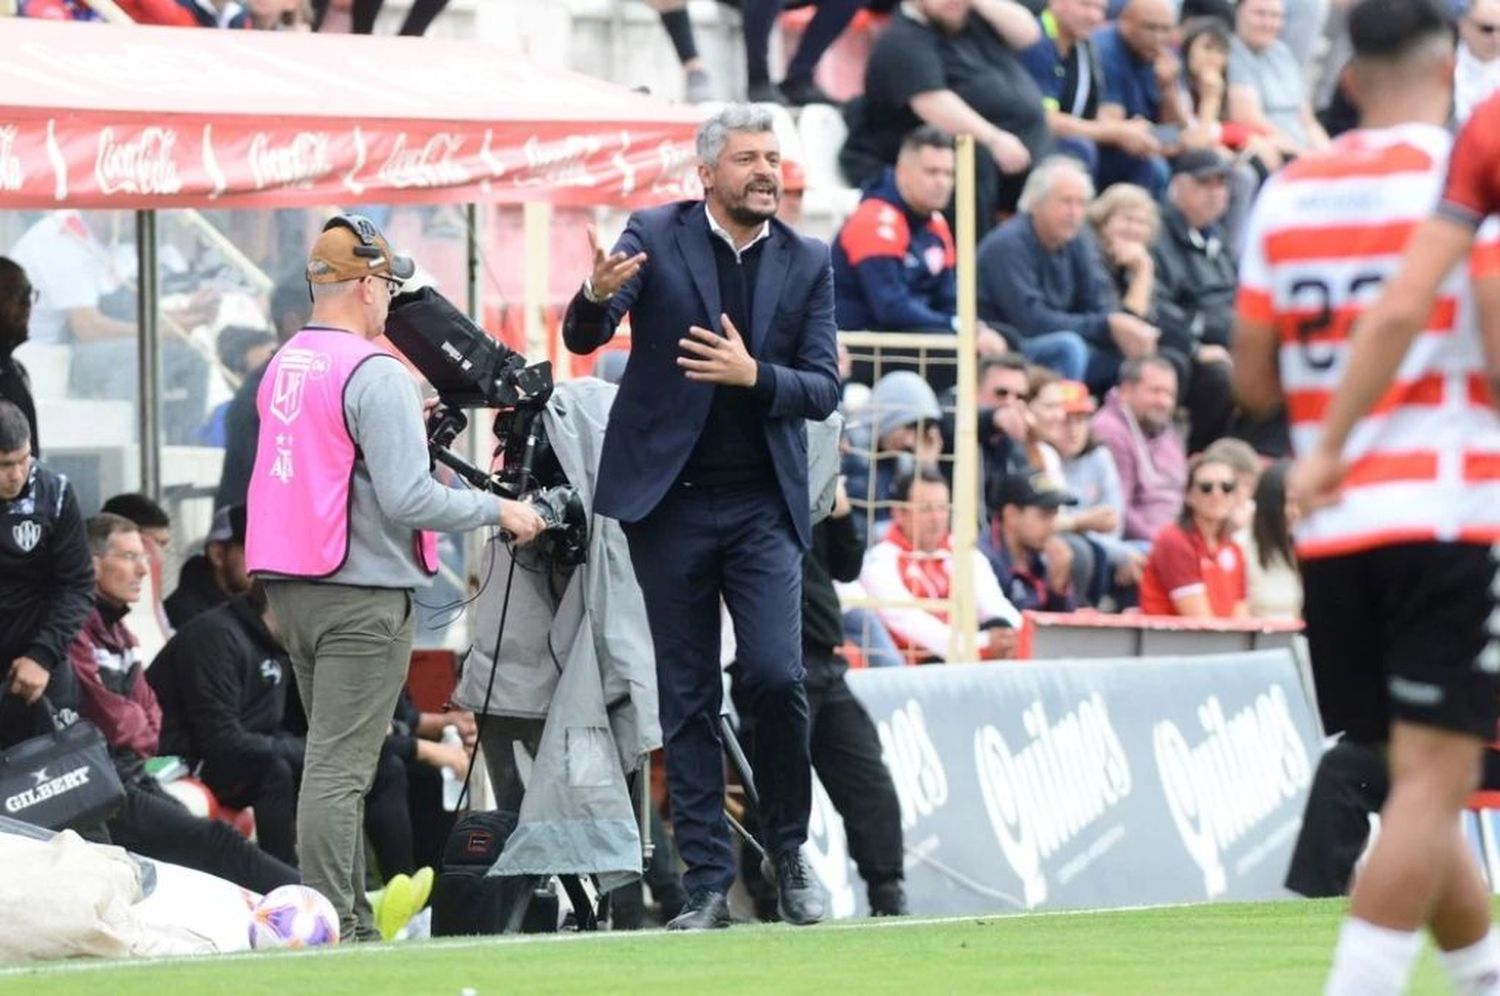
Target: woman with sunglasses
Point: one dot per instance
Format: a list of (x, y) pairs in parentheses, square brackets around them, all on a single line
[(1196, 569)]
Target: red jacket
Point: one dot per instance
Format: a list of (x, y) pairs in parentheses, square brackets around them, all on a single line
[(113, 692)]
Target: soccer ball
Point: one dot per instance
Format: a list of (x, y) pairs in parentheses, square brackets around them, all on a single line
[(293, 916)]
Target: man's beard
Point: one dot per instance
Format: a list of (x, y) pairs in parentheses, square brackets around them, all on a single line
[(743, 214)]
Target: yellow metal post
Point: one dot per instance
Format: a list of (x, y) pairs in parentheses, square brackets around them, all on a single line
[(538, 222), (965, 617)]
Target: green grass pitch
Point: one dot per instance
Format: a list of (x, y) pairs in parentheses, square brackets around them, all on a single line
[(1213, 949)]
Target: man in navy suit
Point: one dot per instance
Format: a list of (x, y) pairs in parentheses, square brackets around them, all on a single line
[(705, 465)]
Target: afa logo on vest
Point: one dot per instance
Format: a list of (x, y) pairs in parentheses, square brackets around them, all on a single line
[(296, 368)]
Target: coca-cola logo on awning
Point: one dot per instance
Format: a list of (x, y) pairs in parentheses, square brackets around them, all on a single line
[(560, 164), (293, 163), (434, 164), (12, 174), (139, 165)]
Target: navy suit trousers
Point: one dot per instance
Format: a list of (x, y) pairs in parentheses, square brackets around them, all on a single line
[(701, 544)]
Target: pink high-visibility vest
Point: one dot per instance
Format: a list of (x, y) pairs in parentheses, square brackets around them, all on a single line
[(297, 514)]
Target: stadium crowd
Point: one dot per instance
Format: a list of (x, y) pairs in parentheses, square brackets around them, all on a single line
[(1120, 147)]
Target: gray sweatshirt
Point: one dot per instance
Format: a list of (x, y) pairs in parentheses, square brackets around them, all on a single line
[(394, 491)]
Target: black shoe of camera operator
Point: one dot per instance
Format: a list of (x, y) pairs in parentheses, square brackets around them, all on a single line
[(799, 897), (887, 898), (706, 909)]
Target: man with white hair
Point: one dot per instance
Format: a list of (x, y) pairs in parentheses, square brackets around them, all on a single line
[(1037, 276), (705, 465), (1476, 73)]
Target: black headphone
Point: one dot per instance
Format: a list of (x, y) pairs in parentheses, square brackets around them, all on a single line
[(364, 229)]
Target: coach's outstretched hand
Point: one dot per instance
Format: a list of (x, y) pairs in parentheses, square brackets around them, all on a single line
[(613, 271)]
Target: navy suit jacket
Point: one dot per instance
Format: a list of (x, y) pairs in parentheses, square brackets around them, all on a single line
[(658, 413)]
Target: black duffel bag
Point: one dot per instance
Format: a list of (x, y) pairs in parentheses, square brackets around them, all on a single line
[(60, 780), (466, 899)]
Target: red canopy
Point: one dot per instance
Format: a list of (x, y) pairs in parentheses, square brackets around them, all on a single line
[(100, 116)]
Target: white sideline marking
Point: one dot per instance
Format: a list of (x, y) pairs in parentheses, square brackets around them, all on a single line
[(469, 943)]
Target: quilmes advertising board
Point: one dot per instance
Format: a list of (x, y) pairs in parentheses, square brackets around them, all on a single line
[(1086, 784)]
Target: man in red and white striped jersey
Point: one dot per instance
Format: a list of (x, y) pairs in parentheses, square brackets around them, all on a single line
[(1386, 389)]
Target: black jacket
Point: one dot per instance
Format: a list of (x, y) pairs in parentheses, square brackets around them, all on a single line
[(46, 573), (837, 554), (1195, 285), (15, 387), (196, 593), (241, 434), (222, 684)]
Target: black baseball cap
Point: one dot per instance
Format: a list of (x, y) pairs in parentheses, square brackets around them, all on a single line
[(1200, 164), (1032, 490)]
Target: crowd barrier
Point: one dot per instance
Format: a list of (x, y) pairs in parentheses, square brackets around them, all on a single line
[(1065, 784)]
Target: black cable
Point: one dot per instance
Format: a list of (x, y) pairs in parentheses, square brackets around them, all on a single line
[(489, 690)]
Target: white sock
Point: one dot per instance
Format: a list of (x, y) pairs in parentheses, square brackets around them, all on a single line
[(1474, 970), (1371, 960)]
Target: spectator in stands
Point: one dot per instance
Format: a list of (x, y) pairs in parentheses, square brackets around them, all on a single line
[(830, 18), (697, 84), (1136, 426), (16, 298), (952, 64), (86, 301), (1044, 419), (221, 682), (1037, 275), (1205, 87), (216, 575), (1267, 90), (793, 189), (893, 259), (1004, 385), (56, 10), (278, 15), (46, 583), (1021, 546), (1124, 221), (901, 429), (1195, 568), (1476, 74), (1247, 470), (1272, 580), (1066, 70), (115, 697), (1140, 85), (916, 560), (1089, 473), (1195, 288), (290, 307), (421, 15)]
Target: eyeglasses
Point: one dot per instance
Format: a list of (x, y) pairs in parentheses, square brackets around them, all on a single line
[(392, 285), (33, 295), (1207, 487)]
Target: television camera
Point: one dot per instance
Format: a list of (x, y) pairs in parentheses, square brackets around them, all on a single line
[(469, 369)]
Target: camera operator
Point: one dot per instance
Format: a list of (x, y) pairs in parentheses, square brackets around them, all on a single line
[(705, 463), (340, 490)]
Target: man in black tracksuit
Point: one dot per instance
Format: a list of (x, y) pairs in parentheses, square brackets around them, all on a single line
[(46, 584), (845, 745), (222, 684)]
